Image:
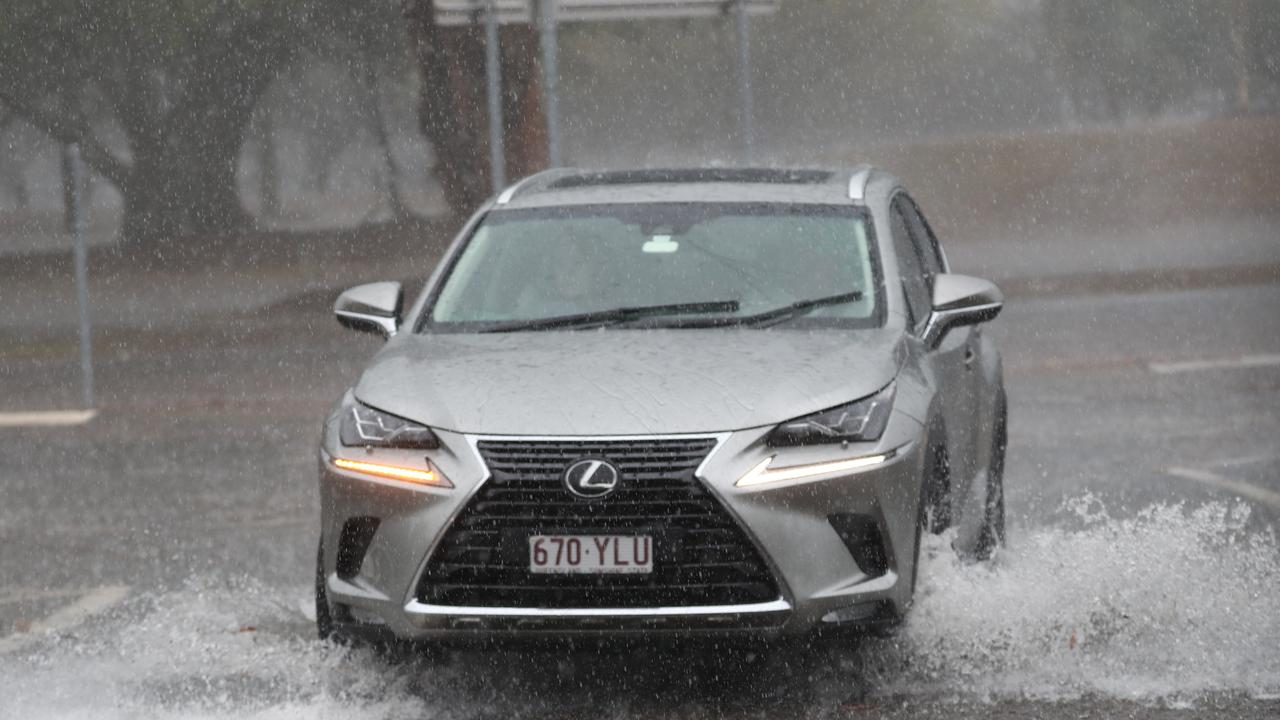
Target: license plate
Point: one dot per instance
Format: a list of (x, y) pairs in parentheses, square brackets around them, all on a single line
[(589, 554)]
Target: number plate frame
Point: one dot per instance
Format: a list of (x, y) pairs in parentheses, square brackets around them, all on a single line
[(621, 552)]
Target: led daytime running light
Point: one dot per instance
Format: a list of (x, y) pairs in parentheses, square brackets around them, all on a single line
[(392, 472), (761, 474)]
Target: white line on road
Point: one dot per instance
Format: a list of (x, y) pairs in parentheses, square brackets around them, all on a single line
[(49, 418), (1247, 460), (1235, 362), (28, 594), (95, 602), (1243, 489)]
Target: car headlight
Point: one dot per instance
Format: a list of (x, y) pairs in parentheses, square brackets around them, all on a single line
[(858, 421), (362, 426)]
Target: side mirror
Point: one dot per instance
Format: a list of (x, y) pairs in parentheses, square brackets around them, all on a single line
[(373, 308), (960, 300)]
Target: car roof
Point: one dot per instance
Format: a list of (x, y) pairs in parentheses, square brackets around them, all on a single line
[(568, 186)]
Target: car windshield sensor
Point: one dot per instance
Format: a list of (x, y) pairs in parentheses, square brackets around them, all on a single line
[(616, 315)]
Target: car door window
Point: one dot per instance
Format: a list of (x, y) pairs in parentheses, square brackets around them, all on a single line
[(914, 285), (922, 237)]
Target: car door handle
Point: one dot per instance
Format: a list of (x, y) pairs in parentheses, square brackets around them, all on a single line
[(969, 355)]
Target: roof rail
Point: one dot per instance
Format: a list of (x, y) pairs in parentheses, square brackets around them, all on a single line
[(764, 175), (858, 183), (538, 178)]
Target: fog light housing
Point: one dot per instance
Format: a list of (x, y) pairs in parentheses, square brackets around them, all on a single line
[(366, 617), (852, 614)]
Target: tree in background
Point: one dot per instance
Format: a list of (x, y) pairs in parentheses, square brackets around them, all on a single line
[(452, 106), (1254, 27), (1122, 59), (160, 93), (175, 81), (12, 164)]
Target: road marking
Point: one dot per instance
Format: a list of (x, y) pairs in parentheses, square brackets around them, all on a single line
[(77, 612), (50, 418), (23, 594), (1243, 489), (1247, 460), (1223, 363)]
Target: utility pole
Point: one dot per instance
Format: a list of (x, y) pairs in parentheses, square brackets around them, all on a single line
[(75, 218), (548, 39), (744, 82), (531, 97), (493, 73)]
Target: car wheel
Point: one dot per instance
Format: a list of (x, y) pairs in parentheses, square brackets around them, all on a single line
[(934, 516), (937, 488), (324, 615), (388, 647), (993, 531)]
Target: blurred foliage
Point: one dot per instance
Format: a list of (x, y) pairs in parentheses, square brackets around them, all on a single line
[(873, 70), (159, 92), (162, 94), (1119, 59)]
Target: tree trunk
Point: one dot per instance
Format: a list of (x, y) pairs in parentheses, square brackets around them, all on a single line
[(378, 126), (11, 169), (452, 109), (269, 168), (522, 110), (185, 183), (1237, 24), (184, 175)]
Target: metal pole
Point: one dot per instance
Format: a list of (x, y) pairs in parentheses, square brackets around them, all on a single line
[(744, 82), (493, 71), (550, 74), (81, 257)]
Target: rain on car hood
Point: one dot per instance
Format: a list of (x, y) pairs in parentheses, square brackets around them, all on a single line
[(625, 382)]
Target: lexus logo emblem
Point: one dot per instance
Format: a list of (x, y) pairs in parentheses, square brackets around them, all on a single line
[(591, 478)]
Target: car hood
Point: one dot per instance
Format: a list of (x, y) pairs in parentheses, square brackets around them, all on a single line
[(625, 382)]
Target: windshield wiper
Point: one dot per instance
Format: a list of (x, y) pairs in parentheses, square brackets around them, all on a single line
[(769, 317), (616, 315), (796, 309)]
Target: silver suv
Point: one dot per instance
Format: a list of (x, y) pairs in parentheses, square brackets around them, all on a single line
[(663, 402)]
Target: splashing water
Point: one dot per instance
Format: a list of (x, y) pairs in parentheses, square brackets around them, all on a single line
[(1171, 603), (1168, 603)]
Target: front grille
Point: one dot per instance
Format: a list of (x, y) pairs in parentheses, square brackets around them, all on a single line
[(701, 556)]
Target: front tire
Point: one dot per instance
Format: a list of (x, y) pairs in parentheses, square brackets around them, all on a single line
[(936, 501), (992, 535), (386, 645), (934, 516), (324, 614)]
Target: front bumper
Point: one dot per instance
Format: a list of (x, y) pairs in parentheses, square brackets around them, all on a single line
[(817, 570), (763, 617)]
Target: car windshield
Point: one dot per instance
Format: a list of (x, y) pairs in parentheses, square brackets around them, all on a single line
[(662, 265)]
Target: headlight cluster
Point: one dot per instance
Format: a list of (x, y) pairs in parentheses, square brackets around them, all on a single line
[(362, 426), (860, 421)]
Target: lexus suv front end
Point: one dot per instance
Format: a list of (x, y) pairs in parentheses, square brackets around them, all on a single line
[(684, 402)]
